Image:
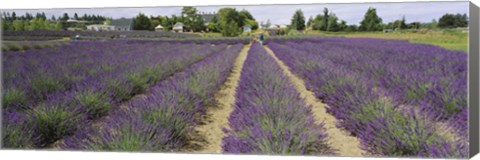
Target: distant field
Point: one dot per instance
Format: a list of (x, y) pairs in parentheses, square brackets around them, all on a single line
[(449, 40)]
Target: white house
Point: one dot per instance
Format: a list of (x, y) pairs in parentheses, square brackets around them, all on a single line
[(159, 28), (247, 28), (100, 27), (122, 24), (178, 27)]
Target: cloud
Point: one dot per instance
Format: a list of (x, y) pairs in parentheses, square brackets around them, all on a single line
[(280, 14)]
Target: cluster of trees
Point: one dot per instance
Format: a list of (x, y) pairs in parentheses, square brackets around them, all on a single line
[(453, 21), (227, 21), (328, 21), (12, 22)]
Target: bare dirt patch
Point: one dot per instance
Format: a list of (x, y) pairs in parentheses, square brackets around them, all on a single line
[(207, 136), (339, 139)]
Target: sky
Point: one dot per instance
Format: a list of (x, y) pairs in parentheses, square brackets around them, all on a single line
[(281, 14)]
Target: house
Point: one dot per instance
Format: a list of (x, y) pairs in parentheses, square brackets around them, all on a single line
[(122, 24), (100, 27), (178, 27), (247, 28), (159, 28)]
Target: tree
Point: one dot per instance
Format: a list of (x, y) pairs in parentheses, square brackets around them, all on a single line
[(371, 21), (108, 21), (229, 22), (18, 25), (14, 16), (325, 19), (58, 26), (75, 16), (310, 22), (192, 20), (453, 21), (53, 18), (189, 11), (43, 16), (319, 23), (343, 25), (141, 22), (332, 23), (252, 23), (213, 25), (398, 24), (65, 17), (268, 24), (298, 21)]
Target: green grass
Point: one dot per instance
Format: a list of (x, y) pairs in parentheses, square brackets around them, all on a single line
[(453, 40)]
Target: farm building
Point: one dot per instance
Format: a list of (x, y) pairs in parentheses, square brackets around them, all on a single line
[(247, 28), (178, 27), (159, 28), (122, 24), (100, 27)]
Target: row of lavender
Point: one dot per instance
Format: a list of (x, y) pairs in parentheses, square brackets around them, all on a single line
[(57, 112), (106, 34), (269, 115), (30, 76), (357, 98), (26, 45), (162, 120), (429, 77)]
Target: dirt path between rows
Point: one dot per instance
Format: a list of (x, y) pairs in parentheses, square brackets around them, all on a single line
[(216, 116), (339, 140)]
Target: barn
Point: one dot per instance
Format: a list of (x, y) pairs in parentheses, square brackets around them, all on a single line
[(122, 24)]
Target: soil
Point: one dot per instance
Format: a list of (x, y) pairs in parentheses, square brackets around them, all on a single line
[(340, 140), (207, 137)]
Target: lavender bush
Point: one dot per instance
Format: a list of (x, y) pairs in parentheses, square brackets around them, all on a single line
[(162, 120), (269, 115), (370, 92), (95, 91)]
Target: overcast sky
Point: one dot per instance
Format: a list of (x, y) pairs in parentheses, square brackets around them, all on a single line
[(281, 14)]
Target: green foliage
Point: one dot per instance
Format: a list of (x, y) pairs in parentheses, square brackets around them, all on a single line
[(138, 82), (213, 25), (53, 122), (371, 21), (453, 21), (65, 17), (229, 22), (141, 22), (96, 104), (298, 21), (119, 90), (15, 136), (43, 84), (13, 98), (294, 33), (192, 20), (333, 25)]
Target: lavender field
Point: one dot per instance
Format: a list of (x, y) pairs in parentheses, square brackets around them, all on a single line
[(302, 96)]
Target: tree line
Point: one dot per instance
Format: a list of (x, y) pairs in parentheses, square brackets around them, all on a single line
[(328, 21), (227, 21), (13, 22)]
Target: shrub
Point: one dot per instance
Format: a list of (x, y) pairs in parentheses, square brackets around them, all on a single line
[(96, 104), (42, 85), (51, 123), (16, 133), (14, 98)]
